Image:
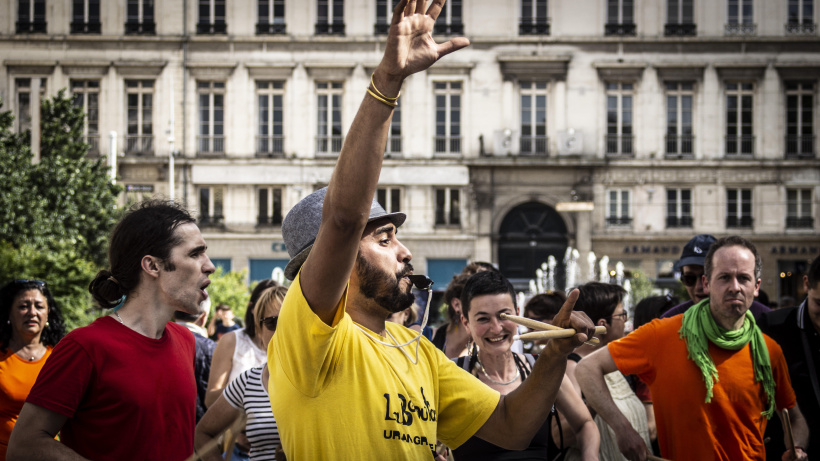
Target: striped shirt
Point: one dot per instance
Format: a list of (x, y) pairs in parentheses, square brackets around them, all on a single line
[(247, 393)]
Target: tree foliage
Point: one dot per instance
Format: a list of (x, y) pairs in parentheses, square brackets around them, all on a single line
[(231, 289)]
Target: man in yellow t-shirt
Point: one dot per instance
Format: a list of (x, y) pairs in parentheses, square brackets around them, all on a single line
[(344, 383)]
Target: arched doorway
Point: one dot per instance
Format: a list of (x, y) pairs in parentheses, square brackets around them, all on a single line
[(529, 234)]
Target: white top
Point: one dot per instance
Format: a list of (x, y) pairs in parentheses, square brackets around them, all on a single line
[(246, 393), (245, 355)]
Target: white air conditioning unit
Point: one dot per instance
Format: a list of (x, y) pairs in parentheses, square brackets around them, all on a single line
[(570, 142), (505, 142)]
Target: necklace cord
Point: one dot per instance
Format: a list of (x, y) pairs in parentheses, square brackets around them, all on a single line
[(417, 339)]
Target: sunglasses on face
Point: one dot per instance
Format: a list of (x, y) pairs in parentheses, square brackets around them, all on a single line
[(689, 279), (269, 322)]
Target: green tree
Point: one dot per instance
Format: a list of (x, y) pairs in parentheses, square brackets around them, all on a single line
[(230, 288), (641, 287)]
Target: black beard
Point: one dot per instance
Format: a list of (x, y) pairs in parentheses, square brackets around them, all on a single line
[(383, 287)]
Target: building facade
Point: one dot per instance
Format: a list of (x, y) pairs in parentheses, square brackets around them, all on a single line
[(619, 127)]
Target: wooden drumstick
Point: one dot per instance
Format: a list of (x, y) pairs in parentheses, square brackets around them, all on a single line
[(787, 426), (560, 333), (542, 327)]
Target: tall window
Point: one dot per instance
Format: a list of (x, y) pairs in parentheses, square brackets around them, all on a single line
[(270, 139), (448, 207), (394, 143), (619, 118), (330, 17), (139, 17), (800, 19), (139, 139), (85, 17), (31, 17), (329, 112), (798, 209), (533, 118), (86, 95), (740, 139), (740, 18), (618, 207), (800, 119), (738, 208), (448, 117), (620, 17), (679, 139), (680, 17), (450, 20), (389, 198), (678, 208), (30, 91), (271, 17), (211, 17), (270, 206), (534, 20), (211, 133), (211, 201), (384, 15)]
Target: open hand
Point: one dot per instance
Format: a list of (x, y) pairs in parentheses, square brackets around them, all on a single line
[(579, 321)]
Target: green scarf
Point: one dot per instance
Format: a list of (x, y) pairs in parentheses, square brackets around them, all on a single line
[(699, 328)]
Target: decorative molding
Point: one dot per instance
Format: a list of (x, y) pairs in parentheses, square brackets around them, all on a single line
[(620, 71), (451, 68), (140, 68), (798, 71), (534, 67), (211, 70), (270, 70), (680, 71), (85, 68), (329, 70), (16, 67), (740, 71)]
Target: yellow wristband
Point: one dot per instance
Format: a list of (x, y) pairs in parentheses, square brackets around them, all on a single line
[(380, 93), (382, 100)]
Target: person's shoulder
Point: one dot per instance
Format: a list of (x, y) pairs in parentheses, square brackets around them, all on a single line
[(679, 309), (95, 330), (778, 319)]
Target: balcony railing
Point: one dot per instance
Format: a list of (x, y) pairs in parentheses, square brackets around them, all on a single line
[(31, 27), (448, 144), (537, 26), (678, 222), (740, 146), (264, 220), (270, 146), (534, 145), (141, 28), (381, 28), (739, 222), (801, 28), (210, 146), (800, 146), (617, 145), (618, 221), (325, 28), (680, 30), (93, 141), (329, 145), (793, 222), (456, 28), (680, 146), (393, 145), (453, 218), (740, 29), (270, 29), (94, 27), (139, 145), (211, 221), (625, 29), (207, 28)]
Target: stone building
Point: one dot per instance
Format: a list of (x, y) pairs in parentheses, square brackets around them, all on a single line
[(621, 127)]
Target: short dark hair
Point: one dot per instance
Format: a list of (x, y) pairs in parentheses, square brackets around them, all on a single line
[(485, 283), (250, 324), (814, 273), (599, 300), (652, 307), (732, 240), (148, 228), (52, 333), (545, 305)]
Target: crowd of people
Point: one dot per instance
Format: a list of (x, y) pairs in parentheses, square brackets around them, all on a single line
[(335, 366)]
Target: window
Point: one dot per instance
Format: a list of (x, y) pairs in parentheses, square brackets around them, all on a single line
[(30, 91), (619, 119), (270, 206), (679, 139), (85, 17), (798, 209), (448, 117), (618, 209), (394, 144), (678, 208), (680, 18), (271, 17), (261, 269), (800, 19), (211, 135), (799, 119), (620, 17), (211, 200), (449, 21), (740, 19), (330, 17), (139, 17), (389, 198), (139, 139), (534, 20), (739, 208), (270, 140), (31, 16), (740, 138), (329, 129), (86, 95), (211, 17), (448, 207), (533, 118), (384, 15)]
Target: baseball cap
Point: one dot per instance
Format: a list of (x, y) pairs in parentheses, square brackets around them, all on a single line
[(694, 252)]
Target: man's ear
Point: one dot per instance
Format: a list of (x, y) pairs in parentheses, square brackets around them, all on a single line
[(602, 323), (150, 265), (705, 282), (757, 288)]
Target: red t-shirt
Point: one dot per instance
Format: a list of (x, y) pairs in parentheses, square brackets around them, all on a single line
[(126, 396), (728, 428)]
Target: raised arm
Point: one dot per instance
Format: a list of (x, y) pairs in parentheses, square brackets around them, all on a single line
[(410, 48), (33, 436)]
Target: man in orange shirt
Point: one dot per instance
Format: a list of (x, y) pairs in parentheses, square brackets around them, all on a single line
[(715, 378)]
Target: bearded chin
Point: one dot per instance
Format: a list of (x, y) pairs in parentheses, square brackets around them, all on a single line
[(396, 302), (374, 283)]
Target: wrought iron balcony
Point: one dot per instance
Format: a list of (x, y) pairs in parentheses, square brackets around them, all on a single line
[(799, 146), (207, 28), (264, 220), (625, 29), (680, 146), (618, 221), (538, 26), (93, 141), (139, 145), (793, 222), (739, 222), (326, 28), (618, 145), (680, 30), (91, 27), (740, 29), (393, 145), (264, 28), (270, 146), (448, 144), (329, 145), (31, 27), (141, 28), (678, 222), (381, 28), (740, 146), (211, 221), (213, 146), (456, 28), (801, 28), (534, 145)]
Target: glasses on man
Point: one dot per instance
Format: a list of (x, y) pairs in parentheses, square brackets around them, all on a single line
[(269, 322), (623, 316), (689, 279)]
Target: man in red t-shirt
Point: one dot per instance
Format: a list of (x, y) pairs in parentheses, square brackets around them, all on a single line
[(123, 387), (714, 377)]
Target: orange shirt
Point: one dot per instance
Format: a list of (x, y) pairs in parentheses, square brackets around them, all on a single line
[(17, 376), (728, 428)]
